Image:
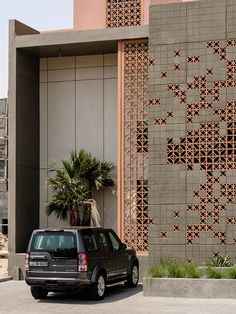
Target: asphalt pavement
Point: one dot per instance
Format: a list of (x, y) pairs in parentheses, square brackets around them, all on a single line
[(15, 297)]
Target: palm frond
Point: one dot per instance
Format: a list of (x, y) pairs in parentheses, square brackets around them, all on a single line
[(72, 183), (70, 170)]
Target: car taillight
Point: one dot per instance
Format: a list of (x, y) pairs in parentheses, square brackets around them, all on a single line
[(82, 262), (27, 258)]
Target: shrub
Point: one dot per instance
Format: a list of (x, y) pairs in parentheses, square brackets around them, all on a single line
[(192, 270), (181, 269), (174, 269), (158, 272), (213, 273), (231, 273), (220, 261)]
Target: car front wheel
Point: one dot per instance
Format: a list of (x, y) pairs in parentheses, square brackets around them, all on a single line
[(132, 280), (98, 289), (38, 293)]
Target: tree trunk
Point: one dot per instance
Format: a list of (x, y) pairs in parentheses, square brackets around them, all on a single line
[(86, 216), (74, 218)]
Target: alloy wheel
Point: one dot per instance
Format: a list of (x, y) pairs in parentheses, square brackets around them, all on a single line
[(135, 274), (101, 285)]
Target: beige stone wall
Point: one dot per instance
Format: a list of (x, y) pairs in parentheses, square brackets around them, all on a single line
[(78, 109)]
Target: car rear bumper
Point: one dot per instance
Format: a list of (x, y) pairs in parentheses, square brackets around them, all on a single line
[(57, 283)]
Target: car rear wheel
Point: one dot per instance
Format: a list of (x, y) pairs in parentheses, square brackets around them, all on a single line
[(38, 293), (98, 289), (132, 280)]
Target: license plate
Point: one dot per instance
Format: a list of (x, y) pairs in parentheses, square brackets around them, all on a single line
[(38, 264)]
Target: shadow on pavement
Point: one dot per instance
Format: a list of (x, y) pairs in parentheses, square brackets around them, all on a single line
[(113, 294)]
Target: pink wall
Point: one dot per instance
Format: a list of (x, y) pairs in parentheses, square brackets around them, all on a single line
[(91, 14), (166, 1), (145, 6)]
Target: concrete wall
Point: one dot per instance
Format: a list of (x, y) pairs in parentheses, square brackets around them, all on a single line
[(23, 170), (27, 147), (192, 175), (78, 109)]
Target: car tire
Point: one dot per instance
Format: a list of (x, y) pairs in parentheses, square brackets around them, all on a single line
[(38, 293), (133, 277), (98, 288)]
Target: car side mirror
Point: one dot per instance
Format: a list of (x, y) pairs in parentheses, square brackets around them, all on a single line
[(121, 247), (124, 246)]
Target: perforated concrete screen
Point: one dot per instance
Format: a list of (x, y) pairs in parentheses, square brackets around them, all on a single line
[(121, 13), (135, 144)]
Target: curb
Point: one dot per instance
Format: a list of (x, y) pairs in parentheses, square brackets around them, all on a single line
[(5, 279), (190, 288)]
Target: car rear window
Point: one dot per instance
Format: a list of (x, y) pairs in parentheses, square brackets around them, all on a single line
[(59, 244)]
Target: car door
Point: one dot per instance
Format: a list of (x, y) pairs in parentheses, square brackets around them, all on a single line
[(93, 255), (119, 255), (107, 253)]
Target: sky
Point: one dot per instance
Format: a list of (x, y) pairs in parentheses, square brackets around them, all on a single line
[(42, 15)]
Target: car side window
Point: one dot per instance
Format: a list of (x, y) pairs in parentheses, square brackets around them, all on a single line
[(104, 241), (116, 243), (90, 242)]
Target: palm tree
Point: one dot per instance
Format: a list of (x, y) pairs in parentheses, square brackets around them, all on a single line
[(72, 186)]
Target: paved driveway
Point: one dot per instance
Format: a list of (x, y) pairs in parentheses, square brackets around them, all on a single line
[(15, 297)]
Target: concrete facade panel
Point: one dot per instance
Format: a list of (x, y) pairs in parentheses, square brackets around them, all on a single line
[(99, 197), (43, 64), (110, 119), (110, 211), (61, 75), (110, 72), (91, 73), (43, 125), (43, 76), (53, 222), (61, 63), (110, 59), (89, 116), (43, 219), (61, 112), (90, 61)]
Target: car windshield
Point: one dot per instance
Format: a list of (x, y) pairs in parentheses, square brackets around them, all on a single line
[(59, 244)]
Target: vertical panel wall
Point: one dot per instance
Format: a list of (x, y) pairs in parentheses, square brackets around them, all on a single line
[(192, 156), (78, 109)]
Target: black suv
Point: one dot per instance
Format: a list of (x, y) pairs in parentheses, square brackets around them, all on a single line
[(77, 257)]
